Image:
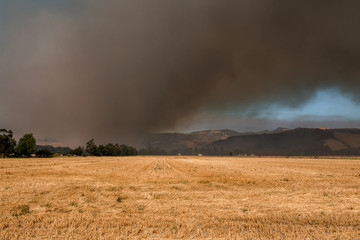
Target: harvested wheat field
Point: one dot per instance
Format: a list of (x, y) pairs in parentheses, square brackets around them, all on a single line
[(179, 197)]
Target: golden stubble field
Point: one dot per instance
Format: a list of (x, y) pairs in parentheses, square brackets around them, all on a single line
[(179, 197)]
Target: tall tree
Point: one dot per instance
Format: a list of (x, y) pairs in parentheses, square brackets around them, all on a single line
[(109, 149), (101, 150), (7, 143), (77, 151), (91, 148), (26, 145)]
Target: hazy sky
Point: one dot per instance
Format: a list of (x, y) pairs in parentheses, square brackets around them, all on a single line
[(118, 69), (327, 108)]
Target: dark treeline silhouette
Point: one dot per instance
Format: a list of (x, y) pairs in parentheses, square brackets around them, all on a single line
[(9, 148), (52, 149), (105, 150), (26, 147), (7, 143)]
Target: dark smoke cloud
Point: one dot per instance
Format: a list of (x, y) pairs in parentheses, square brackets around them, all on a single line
[(114, 69)]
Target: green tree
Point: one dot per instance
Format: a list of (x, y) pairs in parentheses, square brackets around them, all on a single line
[(44, 153), (101, 150), (7, 143), (116, 150), (91, 148), (26, 145), (127, 150), (109, 149), (77, 151)]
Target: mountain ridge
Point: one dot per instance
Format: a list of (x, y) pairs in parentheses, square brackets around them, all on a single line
[(298, 141), (280, 141)]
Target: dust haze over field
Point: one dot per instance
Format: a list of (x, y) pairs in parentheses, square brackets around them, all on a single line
[(111, 69)]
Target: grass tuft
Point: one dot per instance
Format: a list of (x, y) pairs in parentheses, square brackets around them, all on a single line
[(20, 210)]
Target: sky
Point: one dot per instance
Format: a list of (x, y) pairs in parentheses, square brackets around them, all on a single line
[(328, 104), (326, 108), (117, 70)]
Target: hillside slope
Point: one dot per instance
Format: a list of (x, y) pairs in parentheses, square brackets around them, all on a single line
[(179, 142), (299, 141)]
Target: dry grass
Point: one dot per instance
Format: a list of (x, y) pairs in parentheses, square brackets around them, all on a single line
[(179, 197)]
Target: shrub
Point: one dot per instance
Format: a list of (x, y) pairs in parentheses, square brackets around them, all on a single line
[(44, 153), (20, 210)]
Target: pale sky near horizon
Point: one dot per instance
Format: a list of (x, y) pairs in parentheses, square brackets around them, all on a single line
[(329, 108), (326, 103)]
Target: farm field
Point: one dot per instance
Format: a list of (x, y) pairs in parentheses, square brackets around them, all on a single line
[(159, 197)]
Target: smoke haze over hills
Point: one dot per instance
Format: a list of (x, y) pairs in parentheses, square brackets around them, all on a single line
[(114, 69)]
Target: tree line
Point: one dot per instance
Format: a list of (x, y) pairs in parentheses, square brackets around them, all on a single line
[(26, 147), (8, 147), (104, 150)]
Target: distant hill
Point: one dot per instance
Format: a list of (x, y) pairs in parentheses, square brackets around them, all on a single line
[(299, 141), (189, 143), (178, 142), (281, 141)]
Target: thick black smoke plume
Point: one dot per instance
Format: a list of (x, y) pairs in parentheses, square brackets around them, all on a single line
[(110, 69)]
